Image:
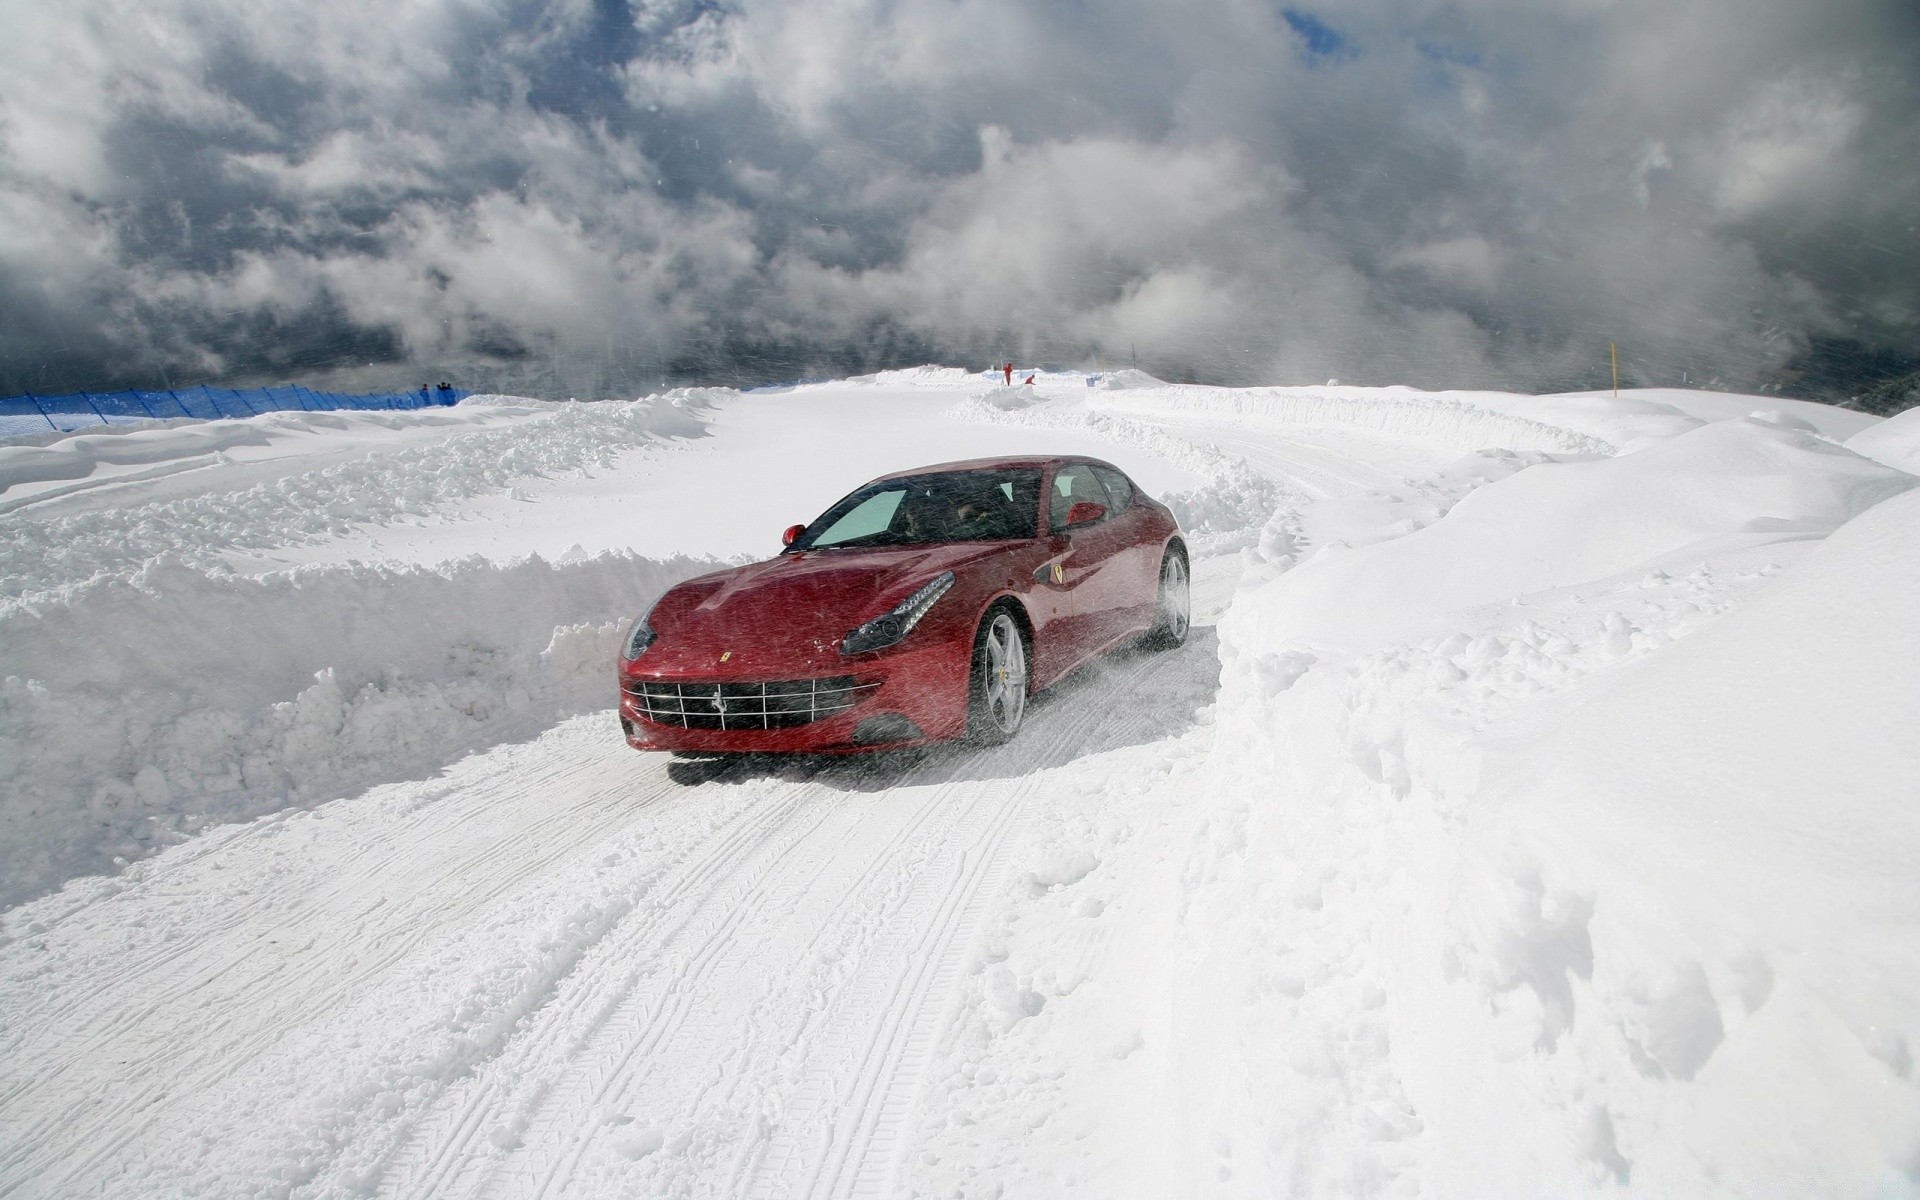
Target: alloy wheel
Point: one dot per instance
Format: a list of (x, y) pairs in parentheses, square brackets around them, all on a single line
[(1176, 599), (1003, 667)]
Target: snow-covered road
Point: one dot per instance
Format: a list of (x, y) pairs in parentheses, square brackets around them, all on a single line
[(473, 984), (369, 898)]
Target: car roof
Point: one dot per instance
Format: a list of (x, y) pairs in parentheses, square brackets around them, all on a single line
[(993, 464)]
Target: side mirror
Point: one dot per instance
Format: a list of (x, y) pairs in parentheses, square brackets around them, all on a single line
[(792, 534), (1082, 511)]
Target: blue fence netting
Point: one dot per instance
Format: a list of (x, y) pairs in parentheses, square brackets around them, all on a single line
[(82, 410)]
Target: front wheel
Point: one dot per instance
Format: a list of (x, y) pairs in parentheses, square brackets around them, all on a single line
[(1173, 613), (997, 685)]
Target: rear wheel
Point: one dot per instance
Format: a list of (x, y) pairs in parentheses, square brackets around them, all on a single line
[(1173, 614), (997, 689)]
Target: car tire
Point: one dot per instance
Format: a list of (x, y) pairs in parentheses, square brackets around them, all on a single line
[(997, 679), (1173, 608)]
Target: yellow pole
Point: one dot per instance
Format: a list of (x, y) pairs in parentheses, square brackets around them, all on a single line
[(1613, 352)]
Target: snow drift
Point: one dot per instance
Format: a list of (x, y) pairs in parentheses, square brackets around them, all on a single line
[(1895, 441), (1567, 843), (140, 710), (1558, 525), (149, 690)]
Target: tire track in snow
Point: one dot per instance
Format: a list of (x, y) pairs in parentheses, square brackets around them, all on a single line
[(889, 1069), (640, 1029), (69, 1114), (445, 1140), (839, 1134), (719, 950), (340, 891)]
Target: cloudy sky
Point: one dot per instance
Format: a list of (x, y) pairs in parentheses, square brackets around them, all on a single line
[(590, 196)]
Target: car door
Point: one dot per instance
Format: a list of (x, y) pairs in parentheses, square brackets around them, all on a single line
[(1088, 570), (1136, 568)]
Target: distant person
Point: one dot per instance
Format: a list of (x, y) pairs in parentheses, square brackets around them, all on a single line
[(1009, 370), (425, 396), (1029, 381), (446, 392)]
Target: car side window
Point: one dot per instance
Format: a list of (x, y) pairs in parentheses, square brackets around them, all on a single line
[(1119, 488), (1072, 484)]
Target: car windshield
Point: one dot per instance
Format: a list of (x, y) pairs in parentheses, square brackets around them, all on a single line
[(943, 506)]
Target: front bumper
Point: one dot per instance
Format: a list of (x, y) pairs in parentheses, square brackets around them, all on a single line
[(899, 698)]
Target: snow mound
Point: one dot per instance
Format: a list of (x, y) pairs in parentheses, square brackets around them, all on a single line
[(1444, 421), (1006, 399), (1628, 422), (1126, 379), (1562, 524), (1829, 421), (137, 710), (1566, 845), (1740, 870), (1894, 441), (929, 375), (1632, 418)]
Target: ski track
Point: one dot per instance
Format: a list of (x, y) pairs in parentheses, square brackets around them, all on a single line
[(769, 1002)]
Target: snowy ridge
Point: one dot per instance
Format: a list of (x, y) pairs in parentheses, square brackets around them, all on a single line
[(1713, 485), (73, 456), (188, 699), (1895, 442), (303, 509), (927, 376), (1438, 419)]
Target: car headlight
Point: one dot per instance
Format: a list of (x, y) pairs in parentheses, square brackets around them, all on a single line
[(638, 638), (889, 628)]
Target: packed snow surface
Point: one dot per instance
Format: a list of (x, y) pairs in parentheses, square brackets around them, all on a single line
[(1535, 810)]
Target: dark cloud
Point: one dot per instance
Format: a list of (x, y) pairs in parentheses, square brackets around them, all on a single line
[(590, 196)]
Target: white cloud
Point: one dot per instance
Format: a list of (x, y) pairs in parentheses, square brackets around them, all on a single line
[(1470, 193), (1470, 262), (1789, 141)]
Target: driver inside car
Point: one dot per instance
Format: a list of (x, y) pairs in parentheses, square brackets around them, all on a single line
[(985, 514)]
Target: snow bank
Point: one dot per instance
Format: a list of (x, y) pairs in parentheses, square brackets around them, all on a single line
[(149, 690), (1895, 441), (45, 555), (1434, 419), (1557, 525), (136, 710), (1008, 399), (78, 455), (1732, 829), (1568, 844), (1633, 418), (1126, 379), (925, 376)]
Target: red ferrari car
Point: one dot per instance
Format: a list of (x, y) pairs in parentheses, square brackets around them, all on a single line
[(925, 606)]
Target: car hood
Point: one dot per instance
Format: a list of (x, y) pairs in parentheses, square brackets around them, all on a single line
[(791, 612)]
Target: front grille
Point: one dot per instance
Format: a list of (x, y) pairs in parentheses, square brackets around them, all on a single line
[(782, 705)]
